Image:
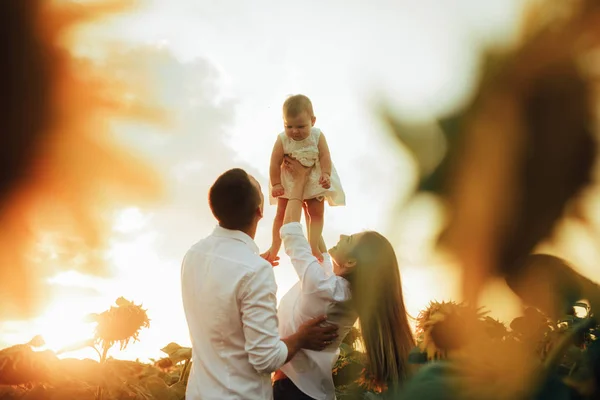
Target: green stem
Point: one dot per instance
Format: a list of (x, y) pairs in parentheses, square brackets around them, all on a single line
[(567, 340), (97, 351), (555, 354), (105, 348), (185, 367)]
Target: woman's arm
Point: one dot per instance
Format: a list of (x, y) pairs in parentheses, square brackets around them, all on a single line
[(312, 276), (293, 211)]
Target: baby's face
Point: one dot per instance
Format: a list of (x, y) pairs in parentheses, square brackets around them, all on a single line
[(298, 126)]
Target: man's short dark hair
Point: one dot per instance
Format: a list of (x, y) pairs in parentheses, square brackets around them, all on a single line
[(233, 199)]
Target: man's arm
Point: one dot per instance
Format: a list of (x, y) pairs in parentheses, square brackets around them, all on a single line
[(276, 161), (266, 352), (311, 335)]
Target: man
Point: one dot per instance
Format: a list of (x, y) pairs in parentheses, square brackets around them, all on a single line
[(230, 305)]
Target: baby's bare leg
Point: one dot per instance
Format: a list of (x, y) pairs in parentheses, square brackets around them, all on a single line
[(306, 217), (277, 223), (316, 210)]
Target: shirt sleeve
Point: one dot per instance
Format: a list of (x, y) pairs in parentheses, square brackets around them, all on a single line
[(266, 351), (312, 275)]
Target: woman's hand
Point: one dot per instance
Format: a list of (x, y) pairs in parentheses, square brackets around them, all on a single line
[(298, 171), (277, 190)]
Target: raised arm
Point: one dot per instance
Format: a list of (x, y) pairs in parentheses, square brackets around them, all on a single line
[(293, 211), (309, 271), (276, 160)]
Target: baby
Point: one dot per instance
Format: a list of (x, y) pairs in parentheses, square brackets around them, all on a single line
[(302, 141)]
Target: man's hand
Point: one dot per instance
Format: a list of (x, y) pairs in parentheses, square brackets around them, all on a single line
[(316, 334), (277, 190), (325, 180)]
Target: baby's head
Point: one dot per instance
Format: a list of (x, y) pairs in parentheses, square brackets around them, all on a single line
[(298, 117)]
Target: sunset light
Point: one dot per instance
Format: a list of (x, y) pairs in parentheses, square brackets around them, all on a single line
[(460, 170)]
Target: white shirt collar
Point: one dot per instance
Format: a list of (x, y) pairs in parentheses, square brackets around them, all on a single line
[(237, 235)]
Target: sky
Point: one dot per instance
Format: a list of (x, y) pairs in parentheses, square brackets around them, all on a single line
[(222, 70)]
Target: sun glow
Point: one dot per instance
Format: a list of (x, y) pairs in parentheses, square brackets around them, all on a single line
[(65, 323), (62, 327), (139, 275), (129, 219)]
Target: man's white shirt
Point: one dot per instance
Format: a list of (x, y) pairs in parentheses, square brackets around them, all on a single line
[(229, 298)]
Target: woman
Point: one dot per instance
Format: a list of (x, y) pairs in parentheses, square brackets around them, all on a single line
[(359, 278)]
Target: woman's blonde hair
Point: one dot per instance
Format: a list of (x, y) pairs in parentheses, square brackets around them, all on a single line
[(378, 300)]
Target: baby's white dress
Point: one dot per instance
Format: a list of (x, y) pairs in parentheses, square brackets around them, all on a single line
[(307, 152)]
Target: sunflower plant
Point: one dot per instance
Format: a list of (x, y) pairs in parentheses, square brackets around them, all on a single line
[(121, 324)]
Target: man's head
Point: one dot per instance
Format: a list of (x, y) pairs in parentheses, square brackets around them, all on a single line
[(298, 117), (236, 200)]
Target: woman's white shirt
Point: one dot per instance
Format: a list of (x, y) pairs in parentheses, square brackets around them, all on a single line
[(318, 292)]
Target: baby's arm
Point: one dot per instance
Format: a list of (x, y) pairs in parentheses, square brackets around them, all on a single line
[(275, 168), (325, 160)]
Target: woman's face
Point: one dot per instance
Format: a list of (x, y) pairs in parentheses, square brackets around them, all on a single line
[(341, 253)]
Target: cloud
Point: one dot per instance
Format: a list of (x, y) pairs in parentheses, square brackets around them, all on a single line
[(191, 152), (149, 241)]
